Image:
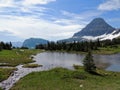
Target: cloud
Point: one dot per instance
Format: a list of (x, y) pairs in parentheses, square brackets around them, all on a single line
[(25, 22), (81, 18), (6, 3), (6, 33), (110, 5), (34, 2), (12, 3), (26, 27), (23, 7), (8, 36)]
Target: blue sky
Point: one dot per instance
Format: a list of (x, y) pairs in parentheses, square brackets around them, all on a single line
[(52, 19)]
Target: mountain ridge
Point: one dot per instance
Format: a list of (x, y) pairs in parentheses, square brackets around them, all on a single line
[(97, 28), (17, 44)]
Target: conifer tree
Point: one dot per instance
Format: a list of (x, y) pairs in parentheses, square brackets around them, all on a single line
[(89, 64)]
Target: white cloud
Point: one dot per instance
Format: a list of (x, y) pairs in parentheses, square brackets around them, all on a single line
[(14, 20), (6, 3), (110, 5), (81, 18), (34, 2), (12, 3), (33, 8), (72, 15), (25, 6), (8, 36), (82, 15), (26, 27)]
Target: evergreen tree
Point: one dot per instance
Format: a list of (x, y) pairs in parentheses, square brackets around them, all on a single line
[(10, 45), (98, 42), (88, 62), (0, 48)]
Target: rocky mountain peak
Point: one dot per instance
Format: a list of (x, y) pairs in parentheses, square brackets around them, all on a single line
[(96, 27)]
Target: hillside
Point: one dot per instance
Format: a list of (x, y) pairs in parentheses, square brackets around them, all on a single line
[(32, 42)]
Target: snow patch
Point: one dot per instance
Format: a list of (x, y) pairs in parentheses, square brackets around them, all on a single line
[(104, 36)]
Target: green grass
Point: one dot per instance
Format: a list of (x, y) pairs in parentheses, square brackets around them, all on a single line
[(31, 65), (16, 57), (63, 79), (5, 73), (108, 50)]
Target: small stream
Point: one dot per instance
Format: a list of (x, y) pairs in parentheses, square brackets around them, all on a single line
[(51, 60), (21, 72)]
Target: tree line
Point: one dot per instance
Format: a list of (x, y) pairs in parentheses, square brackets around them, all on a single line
[(5, 46), (83, 46)]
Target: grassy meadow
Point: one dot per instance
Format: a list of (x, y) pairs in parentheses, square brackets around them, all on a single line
[(5, 73), (16, 56), (108, 50), (63, 79)]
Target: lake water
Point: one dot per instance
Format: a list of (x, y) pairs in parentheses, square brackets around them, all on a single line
[(109, 62), (59, 59), (51, 60)]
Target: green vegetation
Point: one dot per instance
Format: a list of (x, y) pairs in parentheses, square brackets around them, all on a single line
[(16, 57), (100, 47), (5, 46), (63, 79), (5, 72), (88, 63), (108, 50), (31, 65), (101, 50), (76, 66)]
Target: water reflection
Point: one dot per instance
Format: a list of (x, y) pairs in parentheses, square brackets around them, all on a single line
[(108, 61), (59, 59), (67, 60)]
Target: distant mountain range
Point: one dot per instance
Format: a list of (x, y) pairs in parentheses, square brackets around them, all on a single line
[(97, 28), (32, 42), (17, 44)]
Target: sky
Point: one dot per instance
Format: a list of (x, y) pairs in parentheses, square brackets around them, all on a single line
[(52, 19)]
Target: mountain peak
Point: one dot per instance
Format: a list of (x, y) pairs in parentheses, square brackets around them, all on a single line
[(98, 19), (98, 22), (96, 27)]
